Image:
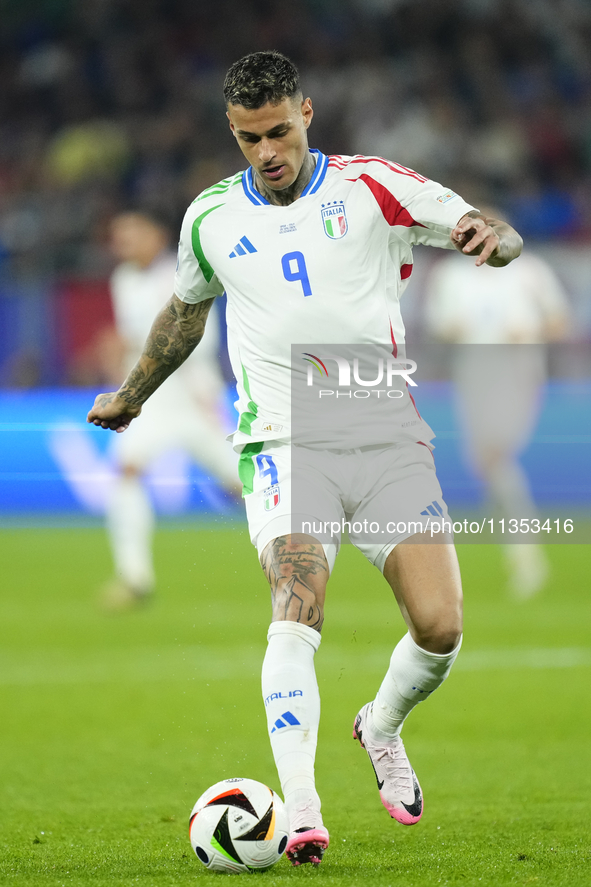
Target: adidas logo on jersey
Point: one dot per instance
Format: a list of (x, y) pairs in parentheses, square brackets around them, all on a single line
[(434, 509), (242, 248)]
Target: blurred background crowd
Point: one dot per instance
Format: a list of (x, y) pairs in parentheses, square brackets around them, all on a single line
[(111, 103)]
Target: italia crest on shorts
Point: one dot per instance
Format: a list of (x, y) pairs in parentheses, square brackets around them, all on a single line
[(334, 219), (272, 497)]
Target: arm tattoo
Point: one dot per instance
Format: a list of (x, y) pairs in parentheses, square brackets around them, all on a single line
[(297, 574), (177, 329)]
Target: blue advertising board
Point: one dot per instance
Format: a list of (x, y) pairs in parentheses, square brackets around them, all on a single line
[(52, 461)]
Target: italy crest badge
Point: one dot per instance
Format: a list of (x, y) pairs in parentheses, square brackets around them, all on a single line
[(334, 219), (271, 495)]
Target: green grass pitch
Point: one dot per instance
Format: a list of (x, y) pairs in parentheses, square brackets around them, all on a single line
[(112, 726)]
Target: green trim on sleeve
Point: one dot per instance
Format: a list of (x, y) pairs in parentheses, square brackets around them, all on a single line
[(220, 187), (246, 466), (246, 419), (206, 268)]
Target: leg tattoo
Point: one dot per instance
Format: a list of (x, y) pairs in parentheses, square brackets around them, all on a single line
[(297, 573)]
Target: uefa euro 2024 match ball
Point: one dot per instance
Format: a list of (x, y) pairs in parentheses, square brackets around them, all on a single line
[(239, 825)]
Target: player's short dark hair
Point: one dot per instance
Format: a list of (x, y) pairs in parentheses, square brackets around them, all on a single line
[(259, 78)]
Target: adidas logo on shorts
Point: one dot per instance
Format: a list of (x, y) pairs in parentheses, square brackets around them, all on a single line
[(433, 510)]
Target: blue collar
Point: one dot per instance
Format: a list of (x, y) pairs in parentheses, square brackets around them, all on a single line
[(311, 188)]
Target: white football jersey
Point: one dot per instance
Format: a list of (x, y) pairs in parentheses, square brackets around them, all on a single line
[(329, 268)]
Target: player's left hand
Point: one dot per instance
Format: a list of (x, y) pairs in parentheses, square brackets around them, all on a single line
[(476, 237)]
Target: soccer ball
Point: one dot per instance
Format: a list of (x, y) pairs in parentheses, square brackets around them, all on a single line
[(238, 825)]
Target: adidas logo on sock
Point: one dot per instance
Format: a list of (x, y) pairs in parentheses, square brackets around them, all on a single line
[(243, 247), (433, 509), (286, 720)]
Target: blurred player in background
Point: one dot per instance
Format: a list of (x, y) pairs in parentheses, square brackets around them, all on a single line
[(184, 414), (311, 248), (502, 320)]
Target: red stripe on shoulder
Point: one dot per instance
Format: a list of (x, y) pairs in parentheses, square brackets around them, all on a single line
[(393, 167), (337, 160), (392, 210)]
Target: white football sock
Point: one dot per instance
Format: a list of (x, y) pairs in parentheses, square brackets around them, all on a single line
[(292, 703), (413, 675), (130, 524)]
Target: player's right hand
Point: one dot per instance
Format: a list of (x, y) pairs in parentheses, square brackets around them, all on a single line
[(111, 411)]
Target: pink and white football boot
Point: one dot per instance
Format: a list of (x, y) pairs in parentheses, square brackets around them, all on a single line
[(308, 838), (398, 785), (307, 845)]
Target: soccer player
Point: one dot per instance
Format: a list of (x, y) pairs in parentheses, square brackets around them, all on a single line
[(504, 318), (296, 274), (182, 415)]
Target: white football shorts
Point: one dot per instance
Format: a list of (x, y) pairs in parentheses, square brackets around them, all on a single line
[(377, 495)]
